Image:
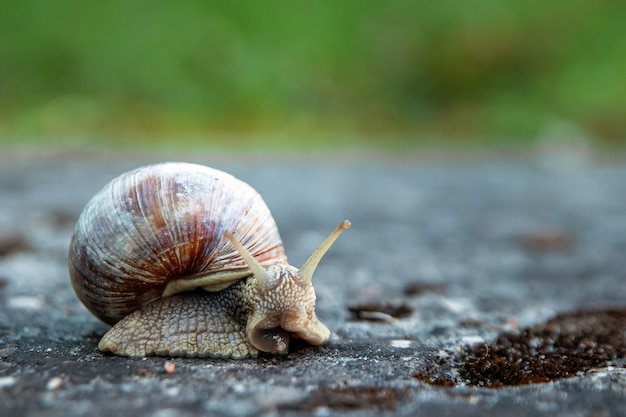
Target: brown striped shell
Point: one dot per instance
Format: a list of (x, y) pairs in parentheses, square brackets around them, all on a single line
[(159, 229)]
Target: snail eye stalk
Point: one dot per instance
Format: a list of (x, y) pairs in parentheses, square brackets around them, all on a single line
[(307, 270)]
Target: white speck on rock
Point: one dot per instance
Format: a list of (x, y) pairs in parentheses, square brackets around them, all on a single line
[(27, 302), (7, 381), (472, 340), (239, 388), (401, 344), (54, 383)]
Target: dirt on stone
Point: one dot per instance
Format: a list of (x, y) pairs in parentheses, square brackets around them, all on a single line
[(565, 346)]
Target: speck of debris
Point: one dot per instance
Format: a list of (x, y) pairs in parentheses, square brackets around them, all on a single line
[(400, 343), (434, 379), (377, 311), (471, 323), (472, 340), (36, 302), (169, 367), (547, 241), (7, 381), (419, 288), (54, 383)]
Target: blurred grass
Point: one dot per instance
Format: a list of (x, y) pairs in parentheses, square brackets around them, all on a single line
[(311, 74)]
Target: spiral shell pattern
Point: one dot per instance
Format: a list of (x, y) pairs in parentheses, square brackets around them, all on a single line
[(161, 223)]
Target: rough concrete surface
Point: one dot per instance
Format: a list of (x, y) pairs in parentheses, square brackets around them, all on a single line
[(444, 255)]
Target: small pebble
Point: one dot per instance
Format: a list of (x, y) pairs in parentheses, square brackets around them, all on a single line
[(401, 344), (473, 340), (54, 383), (473, 399), (169, 367), (7, 381)]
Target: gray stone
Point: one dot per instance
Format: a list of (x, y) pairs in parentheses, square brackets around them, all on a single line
[(501, 243)]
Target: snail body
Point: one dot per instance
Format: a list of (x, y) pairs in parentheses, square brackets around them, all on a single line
[(186, 260)]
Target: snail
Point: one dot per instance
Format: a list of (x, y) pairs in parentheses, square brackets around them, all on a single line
[(186, 260)]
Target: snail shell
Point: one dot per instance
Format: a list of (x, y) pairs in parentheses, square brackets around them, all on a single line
[(171, 228)]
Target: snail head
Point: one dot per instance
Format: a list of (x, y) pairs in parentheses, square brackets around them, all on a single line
[(283, 300)]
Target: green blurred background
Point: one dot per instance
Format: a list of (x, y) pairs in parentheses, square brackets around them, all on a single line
[(312, 74)]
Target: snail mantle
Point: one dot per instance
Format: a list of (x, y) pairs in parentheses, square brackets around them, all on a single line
[(186, 260)]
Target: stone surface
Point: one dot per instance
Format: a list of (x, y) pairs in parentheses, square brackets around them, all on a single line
[(444, 255)]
